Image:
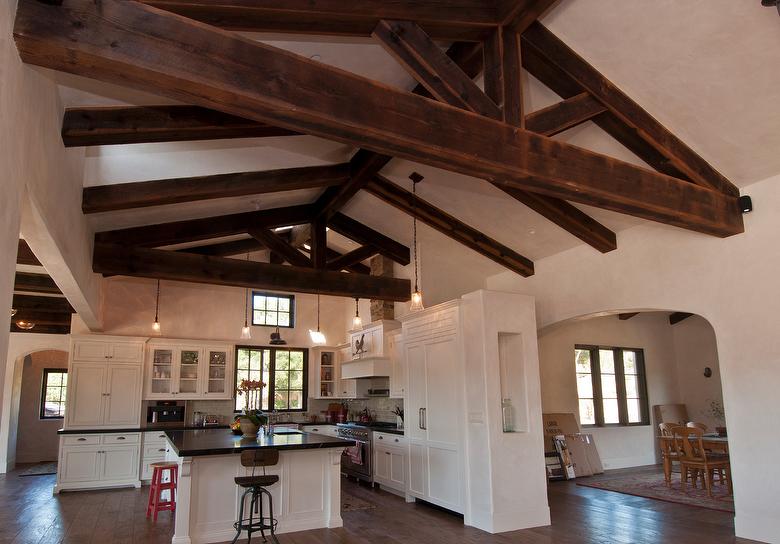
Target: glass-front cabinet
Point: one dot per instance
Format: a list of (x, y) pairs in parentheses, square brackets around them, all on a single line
[(185, 372)]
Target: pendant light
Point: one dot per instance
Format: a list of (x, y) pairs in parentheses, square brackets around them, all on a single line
[(25, 325), (357, 322), (156, 324), (246, 334), (13, 311), (417, 303), (317, 337), (276, 338)]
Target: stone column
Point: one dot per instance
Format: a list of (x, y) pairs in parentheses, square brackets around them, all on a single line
[(382, 309)]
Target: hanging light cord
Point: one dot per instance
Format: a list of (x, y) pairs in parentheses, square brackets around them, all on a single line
[(318, 312), (414, 229), (157, 304), (246, 301), (357, 309)]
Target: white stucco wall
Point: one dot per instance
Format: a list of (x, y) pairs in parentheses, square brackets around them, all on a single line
[(730, 282)]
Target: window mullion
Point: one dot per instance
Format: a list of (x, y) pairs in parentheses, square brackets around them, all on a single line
[(598, 400), (620, 378)]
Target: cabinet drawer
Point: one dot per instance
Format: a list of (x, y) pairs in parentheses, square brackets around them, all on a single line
[(124, 438), (155, 451), (154, 437), (389, 439), (80, 439)]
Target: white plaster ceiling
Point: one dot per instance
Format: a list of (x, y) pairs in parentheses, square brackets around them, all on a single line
[(704, 68)]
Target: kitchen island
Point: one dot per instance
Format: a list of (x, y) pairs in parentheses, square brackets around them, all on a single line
[(308, 495)]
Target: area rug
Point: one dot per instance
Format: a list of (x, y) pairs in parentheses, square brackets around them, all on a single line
[(41, 469), (351, 503), (653, 486)]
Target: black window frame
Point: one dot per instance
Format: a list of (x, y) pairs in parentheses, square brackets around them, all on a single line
[(271, 372), (63, 393), (291, 298), (620, 379)]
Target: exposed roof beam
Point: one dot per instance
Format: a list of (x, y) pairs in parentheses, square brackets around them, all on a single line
[(42, 304), (268, 84), (627, 316), (226, 249), (24, 255), (103, 198), (444, 19), (147, 124), (192, 230), (517, 15), (548, 46), (676, 317), (172, 265), (279, 245), (449, 225), (564, 115), (35, 283), (356, 256), (364, 235)]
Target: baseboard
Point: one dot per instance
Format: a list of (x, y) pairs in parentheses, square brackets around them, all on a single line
[(512, 521), (760, 528)]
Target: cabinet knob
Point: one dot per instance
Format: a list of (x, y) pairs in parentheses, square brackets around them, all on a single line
[(161, 436), (162, 450), (82, 439), (396, 440), (387, 453), (381, 438), (120, 438)]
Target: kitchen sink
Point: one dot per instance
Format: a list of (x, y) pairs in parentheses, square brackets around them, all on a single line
[(288, 432)]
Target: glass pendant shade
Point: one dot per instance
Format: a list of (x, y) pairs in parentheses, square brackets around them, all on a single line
[(245, 332), (25, 325), (13, 311), (156, 325), (417, 302), (357, 321), (317, 337)]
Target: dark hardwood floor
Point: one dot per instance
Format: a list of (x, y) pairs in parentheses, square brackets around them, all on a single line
[(29, 514)]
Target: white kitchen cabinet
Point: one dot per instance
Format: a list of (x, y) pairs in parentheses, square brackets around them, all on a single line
[(373, 339), (103, 395), (153, 450), (104, 349), (390, 461), (98, 460), (325, 374), (188, 371), (433, 406), (396, 353), (326, 429)]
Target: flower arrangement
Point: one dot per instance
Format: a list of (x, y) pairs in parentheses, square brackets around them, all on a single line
[(253, 392), (716, 411)]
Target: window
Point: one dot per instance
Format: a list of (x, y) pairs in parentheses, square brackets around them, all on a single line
[(53, 393), (611, 386), (273, 310), (284, 372)]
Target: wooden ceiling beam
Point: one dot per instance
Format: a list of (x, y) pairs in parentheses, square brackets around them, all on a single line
[(351, 258), (627, 316), (148, 124), (449, 225), (104, 198), (192, 230), (162, 53), (444, 19), (24, 255), (564, 115), (548, 46), (172, 265), (319, 243), (280, 246), (364, 235), (517, 15), (42, 304), (35, 283), (226, 249), (676, 317)]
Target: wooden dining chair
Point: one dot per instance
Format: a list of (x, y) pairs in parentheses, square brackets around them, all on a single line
[(697, 425), (693, 457), (710, 449), (669, 453)]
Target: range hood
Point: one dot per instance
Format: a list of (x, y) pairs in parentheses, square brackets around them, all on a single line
[(367, 367)]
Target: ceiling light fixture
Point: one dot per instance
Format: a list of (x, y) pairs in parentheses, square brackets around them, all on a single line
[(13, 311), (276, 338), (246, 334), (25, 325), (357, 322), (317, 337), (417, 303), (156, 324)]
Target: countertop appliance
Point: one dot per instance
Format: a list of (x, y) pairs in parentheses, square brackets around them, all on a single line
[(165, 412)]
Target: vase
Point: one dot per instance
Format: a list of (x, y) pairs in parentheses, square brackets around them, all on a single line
[(248, 428)]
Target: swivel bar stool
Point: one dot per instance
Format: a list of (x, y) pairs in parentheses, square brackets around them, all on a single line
[(256, 486)]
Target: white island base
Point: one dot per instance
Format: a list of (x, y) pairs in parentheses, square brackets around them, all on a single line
[(307, 496)]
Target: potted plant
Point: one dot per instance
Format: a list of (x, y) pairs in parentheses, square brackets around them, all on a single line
[(253, 417)]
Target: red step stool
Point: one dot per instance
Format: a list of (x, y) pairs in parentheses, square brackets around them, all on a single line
[(156, 504)]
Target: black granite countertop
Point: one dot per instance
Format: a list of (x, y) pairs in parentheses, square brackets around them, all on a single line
[(219, 441), (164, 427)]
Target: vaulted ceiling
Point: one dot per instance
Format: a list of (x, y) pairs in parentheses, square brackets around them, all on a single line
[(669, 58)]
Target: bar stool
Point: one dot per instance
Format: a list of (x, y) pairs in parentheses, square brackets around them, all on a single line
[(256, 486), (156, 504)]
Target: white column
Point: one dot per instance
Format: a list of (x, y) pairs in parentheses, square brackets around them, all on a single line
[(183, 501)]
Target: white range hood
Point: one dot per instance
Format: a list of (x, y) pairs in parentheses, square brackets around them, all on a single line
[(367, 367)]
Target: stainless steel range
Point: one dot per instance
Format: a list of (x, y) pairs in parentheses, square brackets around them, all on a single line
[(362, 436)]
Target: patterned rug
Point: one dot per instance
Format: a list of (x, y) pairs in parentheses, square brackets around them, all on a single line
[(351, 503), (41, 469), (653, 486)]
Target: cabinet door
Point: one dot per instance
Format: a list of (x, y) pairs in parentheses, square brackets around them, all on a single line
[(126, 352), (347, 389), (418, 470), (120, 463), (217, 372), (382, 464), (123, 399), (90, 351), (398, 468), (188, 372), (414, 417), (86, 392), (80, 464), (159, 373), (398, 368), (441, 404)]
